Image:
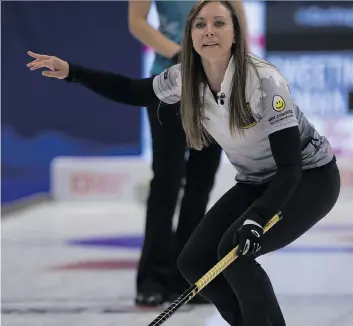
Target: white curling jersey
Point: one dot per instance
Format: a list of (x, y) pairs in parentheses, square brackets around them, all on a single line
[(270, 101)]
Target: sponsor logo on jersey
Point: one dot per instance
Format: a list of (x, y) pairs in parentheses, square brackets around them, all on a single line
[(278, 103)]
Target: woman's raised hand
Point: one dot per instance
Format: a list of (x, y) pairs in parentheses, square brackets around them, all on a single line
[(57, 68)]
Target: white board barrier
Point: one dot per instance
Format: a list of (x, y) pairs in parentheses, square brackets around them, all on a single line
[(97, 178), (127, 179), (124, 179)]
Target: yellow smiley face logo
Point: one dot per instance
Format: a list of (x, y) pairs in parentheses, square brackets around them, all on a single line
[(278, 103)]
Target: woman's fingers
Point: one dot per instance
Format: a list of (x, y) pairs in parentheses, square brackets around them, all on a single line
[(41, 61), (30, 64), (37, 55), (42, 64), (57, 67)]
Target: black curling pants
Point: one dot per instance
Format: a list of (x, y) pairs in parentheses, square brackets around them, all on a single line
[(158, 263), (243, 293)]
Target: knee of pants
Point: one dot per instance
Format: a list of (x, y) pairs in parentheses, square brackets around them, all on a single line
[(227, 243), (189, 265), (185, 264), (241, 268)]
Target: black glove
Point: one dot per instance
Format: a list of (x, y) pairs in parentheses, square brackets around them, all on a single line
[(249, 238)]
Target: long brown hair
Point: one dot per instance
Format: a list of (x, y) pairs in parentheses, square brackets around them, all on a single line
[(193, 76)]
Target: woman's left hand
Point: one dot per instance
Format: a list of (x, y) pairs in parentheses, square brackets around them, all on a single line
[(249, 238), (57, 68)]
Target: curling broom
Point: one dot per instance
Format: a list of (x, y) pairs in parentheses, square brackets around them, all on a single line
[(206, 279)]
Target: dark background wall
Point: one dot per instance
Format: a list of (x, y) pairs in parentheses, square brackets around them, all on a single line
[(43, 118)]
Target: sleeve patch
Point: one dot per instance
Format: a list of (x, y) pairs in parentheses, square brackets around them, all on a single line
[(278, 103)]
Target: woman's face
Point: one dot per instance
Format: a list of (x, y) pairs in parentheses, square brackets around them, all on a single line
[(212, 31)]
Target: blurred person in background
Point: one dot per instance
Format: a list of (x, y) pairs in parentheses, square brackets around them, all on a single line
[(158, 278)]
